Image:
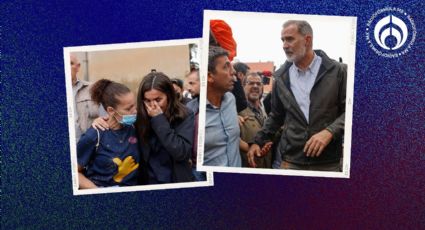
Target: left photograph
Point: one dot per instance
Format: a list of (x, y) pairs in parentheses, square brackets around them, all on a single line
[(131, 123)]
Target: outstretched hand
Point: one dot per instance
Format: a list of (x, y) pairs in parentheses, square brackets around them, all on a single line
[(253, 151), (266, 148), (256, 151)]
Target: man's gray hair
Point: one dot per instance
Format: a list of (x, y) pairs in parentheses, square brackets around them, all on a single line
[(304, 27)]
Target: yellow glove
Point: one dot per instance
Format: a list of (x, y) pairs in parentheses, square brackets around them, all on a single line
[(124, 167)]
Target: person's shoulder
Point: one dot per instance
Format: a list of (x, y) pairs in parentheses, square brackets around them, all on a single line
[(189, 104), (228, 104), (228, 96), (193, 105), (90, 135), (326, 60), (283, 68), (330, 63), (184, 121), (83, 82), (228, 100), (84, 85), (247, 111), (190, 113), (190, 116), (186, 100), (84, 89)]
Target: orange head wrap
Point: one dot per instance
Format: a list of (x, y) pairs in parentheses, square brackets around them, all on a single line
[(223, 35)]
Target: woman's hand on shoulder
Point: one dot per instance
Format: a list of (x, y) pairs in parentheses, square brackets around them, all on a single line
[(100, 123)]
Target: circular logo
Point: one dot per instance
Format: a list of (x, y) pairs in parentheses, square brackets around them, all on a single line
[(390, 32)]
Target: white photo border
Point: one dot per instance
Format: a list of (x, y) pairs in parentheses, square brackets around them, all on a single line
[(350, 61), (70, 100)]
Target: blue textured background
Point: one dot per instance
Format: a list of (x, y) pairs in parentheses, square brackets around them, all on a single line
[(387, 184)]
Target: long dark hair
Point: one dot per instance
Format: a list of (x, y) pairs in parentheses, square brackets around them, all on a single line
[(175, 111)]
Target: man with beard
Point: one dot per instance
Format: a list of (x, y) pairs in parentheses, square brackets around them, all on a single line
[(255, 116), (194, 87), (308, 96)]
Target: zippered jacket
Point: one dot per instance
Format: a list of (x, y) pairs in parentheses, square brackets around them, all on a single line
[(327, 111)]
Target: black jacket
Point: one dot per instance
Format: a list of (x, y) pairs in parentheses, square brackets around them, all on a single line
[(327, 111), (239, 94), (176, 139)]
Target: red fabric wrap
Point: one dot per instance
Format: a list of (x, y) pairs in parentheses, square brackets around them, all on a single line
[(224, 36)]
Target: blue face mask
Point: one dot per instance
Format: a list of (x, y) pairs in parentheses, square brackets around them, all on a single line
[(127, 119)]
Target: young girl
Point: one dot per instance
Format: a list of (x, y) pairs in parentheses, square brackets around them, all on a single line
[(111, 157)]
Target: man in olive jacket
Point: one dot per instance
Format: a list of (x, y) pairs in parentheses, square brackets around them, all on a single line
[(308, 97)]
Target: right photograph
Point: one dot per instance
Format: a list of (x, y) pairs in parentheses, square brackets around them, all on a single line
[(276, 93)]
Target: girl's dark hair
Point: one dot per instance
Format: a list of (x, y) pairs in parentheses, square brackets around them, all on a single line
[(105, 92), (175, 111)]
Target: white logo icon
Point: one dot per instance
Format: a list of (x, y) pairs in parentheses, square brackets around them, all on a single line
[(399, 32), (390, 32)]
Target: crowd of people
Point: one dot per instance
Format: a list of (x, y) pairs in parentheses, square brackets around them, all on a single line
[(305, 126), (139, 139), (151, 138)]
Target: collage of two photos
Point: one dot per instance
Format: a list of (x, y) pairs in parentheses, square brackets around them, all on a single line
[(259, 93)]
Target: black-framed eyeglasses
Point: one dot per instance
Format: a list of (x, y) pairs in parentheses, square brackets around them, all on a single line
[(251, 83)]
